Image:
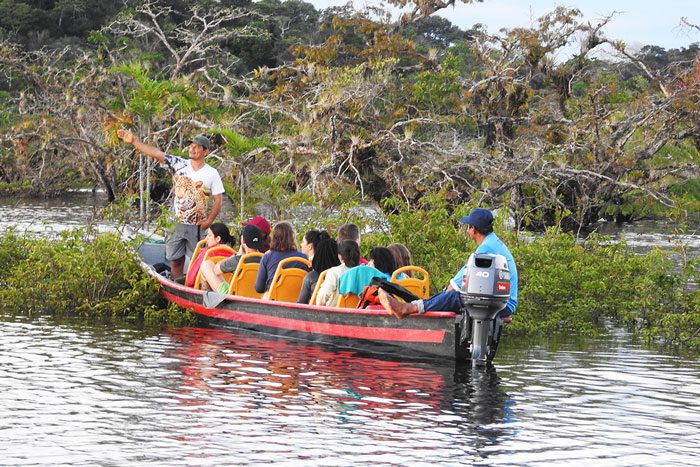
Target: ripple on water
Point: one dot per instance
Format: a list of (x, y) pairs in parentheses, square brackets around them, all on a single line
[(84, 395)]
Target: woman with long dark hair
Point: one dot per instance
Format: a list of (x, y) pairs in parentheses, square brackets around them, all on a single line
[(217, 234), (310, 241), (325, 257), (349, 256), (381, 264)]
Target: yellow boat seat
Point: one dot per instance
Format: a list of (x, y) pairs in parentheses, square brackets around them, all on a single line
[(216, 253), (419, 286), (287, 281), (197, 250), (348, 300), (243, 282), (320, 280)]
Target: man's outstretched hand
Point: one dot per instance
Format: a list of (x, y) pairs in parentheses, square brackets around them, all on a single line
[(125, 135)]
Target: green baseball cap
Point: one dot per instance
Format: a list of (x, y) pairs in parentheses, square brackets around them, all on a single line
[(202, 141)]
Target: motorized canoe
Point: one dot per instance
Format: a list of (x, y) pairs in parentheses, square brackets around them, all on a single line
[(431, 335)]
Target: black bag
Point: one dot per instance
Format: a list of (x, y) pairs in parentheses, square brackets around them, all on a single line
[(394, 289)]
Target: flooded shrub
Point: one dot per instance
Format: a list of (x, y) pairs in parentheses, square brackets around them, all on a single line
[(429, 233), (675, 320), (565, 285), (569, 286), (582, 287), (82, 272), (13, 249)]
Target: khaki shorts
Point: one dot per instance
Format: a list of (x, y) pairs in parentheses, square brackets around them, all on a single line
[(182, 241)]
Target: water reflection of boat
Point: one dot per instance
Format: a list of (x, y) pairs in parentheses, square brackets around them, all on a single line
[(433, 334), (253, 373), (225, 361)]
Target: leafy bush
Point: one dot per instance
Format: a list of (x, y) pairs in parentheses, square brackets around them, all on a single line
[(430, 234), (81, 272), (566, 286), (674, 318), (575, 287)]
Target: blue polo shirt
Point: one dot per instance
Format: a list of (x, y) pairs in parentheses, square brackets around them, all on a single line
[(493, 245)]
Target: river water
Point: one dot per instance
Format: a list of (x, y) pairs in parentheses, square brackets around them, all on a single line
[(88, 394)]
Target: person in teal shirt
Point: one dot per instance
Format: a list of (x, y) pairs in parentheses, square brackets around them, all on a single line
[(480, 228), (381, 264)]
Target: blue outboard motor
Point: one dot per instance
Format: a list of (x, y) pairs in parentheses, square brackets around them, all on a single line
[(484, 294)]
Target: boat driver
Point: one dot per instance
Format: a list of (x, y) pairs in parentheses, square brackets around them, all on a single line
[(479, 224)]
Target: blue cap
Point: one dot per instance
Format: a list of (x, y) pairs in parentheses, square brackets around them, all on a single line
[(480, 218)]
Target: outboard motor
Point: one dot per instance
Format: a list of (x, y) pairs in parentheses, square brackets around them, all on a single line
[(484, 294)]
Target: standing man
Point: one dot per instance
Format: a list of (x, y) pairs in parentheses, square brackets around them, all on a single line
[(480, 229), (194, 181)]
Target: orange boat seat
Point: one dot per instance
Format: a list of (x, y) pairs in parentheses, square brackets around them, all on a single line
[(287, 281), (197, 250), (419, 286), (216, 253), (348, 300), (243, 282), (320, 280)]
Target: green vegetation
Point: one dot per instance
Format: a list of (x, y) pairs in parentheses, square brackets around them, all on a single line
[(567, 286), (83, 273), (571, 287), (324, 103), (327, 111)]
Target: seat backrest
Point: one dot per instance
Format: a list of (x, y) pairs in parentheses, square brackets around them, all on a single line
[(287, 281), (348, 300), (197, 250), (420, 286), (320, 280), (243, 282), (215, 254)]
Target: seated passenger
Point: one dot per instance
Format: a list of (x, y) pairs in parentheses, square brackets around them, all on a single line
[(217, 234), (264, 226), (402, 257), (213, 273), (349, 256), (381, 264), (282, 246), (350, 231), (479, 224), (325, 257), (310, 241)]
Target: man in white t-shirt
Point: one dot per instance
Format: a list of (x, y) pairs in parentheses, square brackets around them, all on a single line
[(194, 182)]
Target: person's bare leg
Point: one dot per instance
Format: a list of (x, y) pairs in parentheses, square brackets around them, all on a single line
[(395, 307), (176, 267), (209, 275)]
